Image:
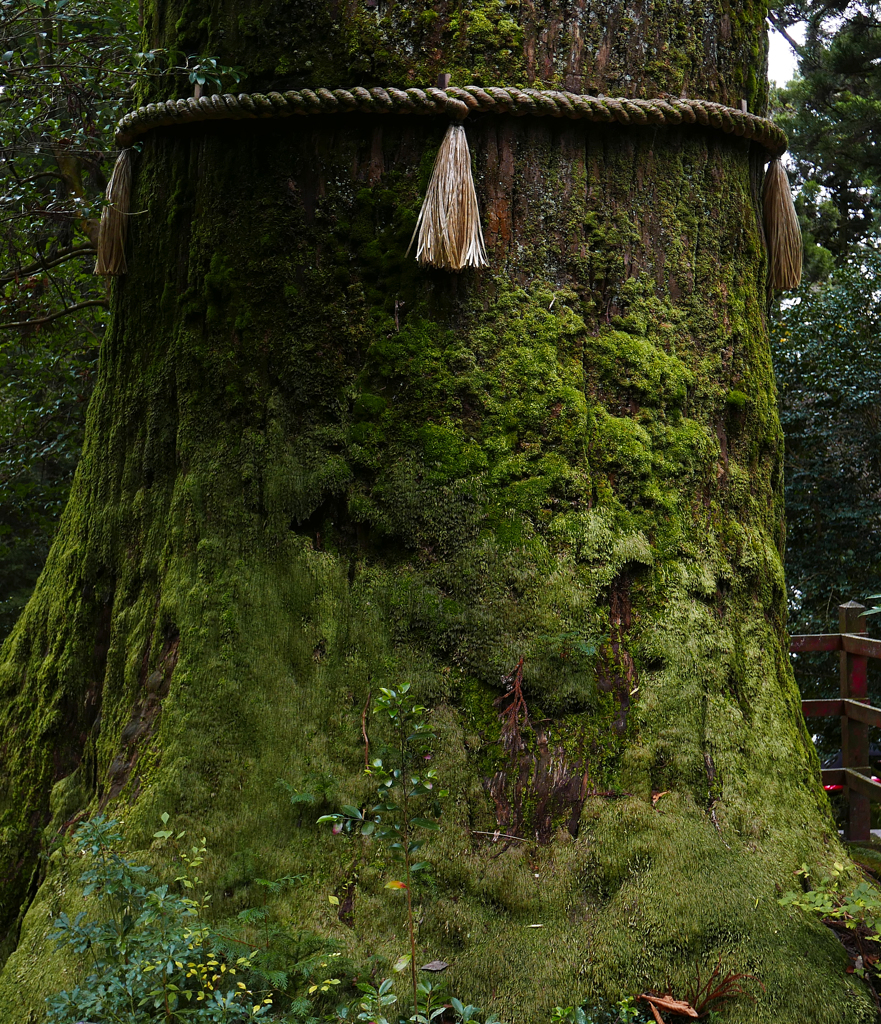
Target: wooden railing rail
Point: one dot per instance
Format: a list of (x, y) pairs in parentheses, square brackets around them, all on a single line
[(857, 715), (853, 643)]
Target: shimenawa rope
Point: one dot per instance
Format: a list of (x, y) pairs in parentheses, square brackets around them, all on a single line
[(458, 103)]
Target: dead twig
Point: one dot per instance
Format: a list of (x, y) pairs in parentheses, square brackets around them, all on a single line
[(512, 736), (364, 732), (678, 1006), (499, 835)]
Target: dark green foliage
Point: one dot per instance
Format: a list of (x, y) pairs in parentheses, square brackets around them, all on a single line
[(67, 73), (47, 381), (65, 76), (824, 338), (828, 365)]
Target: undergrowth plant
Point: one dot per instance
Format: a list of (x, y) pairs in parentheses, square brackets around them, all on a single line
[(624, 1011), (378, 1002), (406, 793), (150, 952), (840, 900)]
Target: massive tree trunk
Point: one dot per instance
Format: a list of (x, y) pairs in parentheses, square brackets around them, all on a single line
[(313, 469)]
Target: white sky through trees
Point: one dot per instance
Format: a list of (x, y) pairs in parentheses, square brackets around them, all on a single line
[(781, 59)]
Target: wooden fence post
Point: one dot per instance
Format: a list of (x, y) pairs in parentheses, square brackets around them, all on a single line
[(854, 735)]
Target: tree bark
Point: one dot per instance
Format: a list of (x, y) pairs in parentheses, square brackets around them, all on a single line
[(313, 468)]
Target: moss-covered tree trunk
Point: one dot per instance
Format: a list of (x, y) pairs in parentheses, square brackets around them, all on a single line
[(314, 469)]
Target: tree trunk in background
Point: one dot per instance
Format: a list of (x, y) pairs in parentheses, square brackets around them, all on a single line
[(313, 469)]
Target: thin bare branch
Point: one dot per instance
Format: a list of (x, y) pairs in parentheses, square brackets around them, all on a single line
[(41, 265), (55, 316), (800, 51), (797, 47)]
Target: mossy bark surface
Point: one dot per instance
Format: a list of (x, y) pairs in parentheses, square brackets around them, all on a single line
[(313, 469)]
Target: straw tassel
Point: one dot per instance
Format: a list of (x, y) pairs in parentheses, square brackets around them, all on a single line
[(448, 232), (781, 230), (114, 219)]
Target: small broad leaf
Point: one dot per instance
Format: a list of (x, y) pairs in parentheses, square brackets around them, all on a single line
[(423, 865), (401, 963), (425, 823), (367, 828), (333, 901), (395, 885)]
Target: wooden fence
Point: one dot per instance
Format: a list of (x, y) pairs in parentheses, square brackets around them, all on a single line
[(857, 715)]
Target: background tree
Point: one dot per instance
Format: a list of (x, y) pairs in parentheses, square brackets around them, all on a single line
[(67, 73), (829, 375), (312, 469), (824, 340), (61, 88), (831, 113)]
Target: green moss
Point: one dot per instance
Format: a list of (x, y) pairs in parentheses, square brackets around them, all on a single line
[(712, 51), (737, 399)]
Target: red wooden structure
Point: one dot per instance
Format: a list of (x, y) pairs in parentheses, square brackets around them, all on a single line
[(855, 648)]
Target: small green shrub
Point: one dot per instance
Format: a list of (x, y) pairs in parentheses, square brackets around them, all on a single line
[(151, 953), (624, 1011), (839, 897), (406, 793)]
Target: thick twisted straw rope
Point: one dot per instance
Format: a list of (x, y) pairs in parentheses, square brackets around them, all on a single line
[(456, 103)]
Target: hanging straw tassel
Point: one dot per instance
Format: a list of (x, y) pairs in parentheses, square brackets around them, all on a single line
[(448, 232), (114, 219), (781, 229)]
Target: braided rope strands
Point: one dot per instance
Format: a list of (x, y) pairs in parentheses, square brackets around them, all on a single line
[(782, 229), (448, 228), (458, 103), (114, 219)]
